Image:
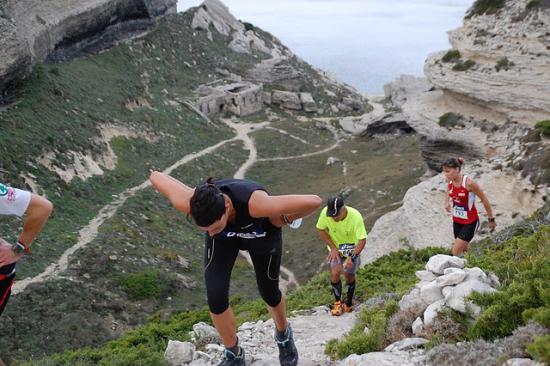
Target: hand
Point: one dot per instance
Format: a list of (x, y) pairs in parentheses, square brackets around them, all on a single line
[(348, 264), (448, 207), (492, 226), (7, 255), (333, 255)]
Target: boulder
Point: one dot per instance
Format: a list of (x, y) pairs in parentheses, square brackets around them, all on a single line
[(179, 352), (413, 302), (451, 278), (439, 262), (378, 359), (417, 326), (456, 298), (431, 292), (431, 311), (406, 344), (521, 362), (204, 334), (285, 99), (425, 276), (308, 103)]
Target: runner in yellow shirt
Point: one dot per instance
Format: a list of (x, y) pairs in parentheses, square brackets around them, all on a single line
[(343, 230)]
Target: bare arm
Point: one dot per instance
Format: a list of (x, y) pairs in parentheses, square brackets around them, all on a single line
[(37, 214), (334, 253), (177, 193), (294, 206), (447, 202), (474, 187), (360, 246)]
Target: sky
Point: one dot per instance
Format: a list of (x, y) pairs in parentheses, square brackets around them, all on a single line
[(365, 43)]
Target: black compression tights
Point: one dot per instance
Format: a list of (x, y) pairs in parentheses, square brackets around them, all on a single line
[(220, 256)]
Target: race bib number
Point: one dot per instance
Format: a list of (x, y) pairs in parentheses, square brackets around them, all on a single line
[(346, 249), (460, 212)]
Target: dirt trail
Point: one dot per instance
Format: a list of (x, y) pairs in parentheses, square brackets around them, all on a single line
[(88, 233)]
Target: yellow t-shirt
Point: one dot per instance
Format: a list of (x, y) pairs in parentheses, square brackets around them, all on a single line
[(344, 234)]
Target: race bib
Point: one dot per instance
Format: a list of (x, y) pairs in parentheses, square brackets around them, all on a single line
[(346, 249), (460, 212)]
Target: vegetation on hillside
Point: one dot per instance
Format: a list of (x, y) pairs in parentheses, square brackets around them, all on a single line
[(520, 257)]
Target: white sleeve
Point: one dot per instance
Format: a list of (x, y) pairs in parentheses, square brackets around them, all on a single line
[(13, 201)]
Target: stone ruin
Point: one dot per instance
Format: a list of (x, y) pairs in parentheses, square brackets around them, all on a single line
[(241, 99)]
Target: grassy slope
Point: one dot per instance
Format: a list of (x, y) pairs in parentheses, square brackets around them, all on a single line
[(131, 270)]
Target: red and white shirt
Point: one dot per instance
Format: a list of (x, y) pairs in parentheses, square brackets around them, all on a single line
[(13, 201), (464, 207)]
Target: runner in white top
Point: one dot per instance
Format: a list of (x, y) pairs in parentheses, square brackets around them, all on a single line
[(18, 202)]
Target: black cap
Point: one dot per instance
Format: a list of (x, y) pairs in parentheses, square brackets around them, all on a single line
[(334, 204)]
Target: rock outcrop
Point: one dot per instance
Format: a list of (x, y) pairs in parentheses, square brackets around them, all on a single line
[(36, 31), (422, 221), (312, 329), (509, 59), (450, 286)]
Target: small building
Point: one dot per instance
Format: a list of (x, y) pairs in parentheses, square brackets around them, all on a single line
[(241, 99)]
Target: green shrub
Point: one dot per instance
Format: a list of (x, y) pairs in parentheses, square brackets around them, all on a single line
[(532, 4), (142, 285), (540, 349), (358, 341), (451, 56), (248, 26), (504, 64), (544, 127), (463, 66), (523, 265), (481, 7), (450, 119)]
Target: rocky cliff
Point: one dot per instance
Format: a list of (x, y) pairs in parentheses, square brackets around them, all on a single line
[(500, 60), (480, 100), (53, 31)]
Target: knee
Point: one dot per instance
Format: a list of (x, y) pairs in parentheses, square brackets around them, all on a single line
[(271, 297), (218, 303)]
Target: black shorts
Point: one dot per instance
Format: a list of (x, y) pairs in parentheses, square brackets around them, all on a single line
[(465, 231), (7, 275), (220, 256)]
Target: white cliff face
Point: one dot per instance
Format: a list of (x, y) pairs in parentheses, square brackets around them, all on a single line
[(515, 35), (32, 31)]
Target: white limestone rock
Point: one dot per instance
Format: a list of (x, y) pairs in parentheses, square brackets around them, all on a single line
[(431, 292), (378, 359), (451, 278), (521, 362), (425, 276), (413, 302), (285, 99), (439, 262), (456, 298), (177, 352), (406, 344), (205, 333), (431, 311), (417, 326), (308, 103)]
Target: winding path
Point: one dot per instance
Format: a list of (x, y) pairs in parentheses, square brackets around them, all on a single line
[(88, 233)]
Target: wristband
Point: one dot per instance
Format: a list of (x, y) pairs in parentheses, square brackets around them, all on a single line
[(18, 248), (491, 219)]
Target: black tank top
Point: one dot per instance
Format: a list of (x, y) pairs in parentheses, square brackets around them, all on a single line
[(244, 226)]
